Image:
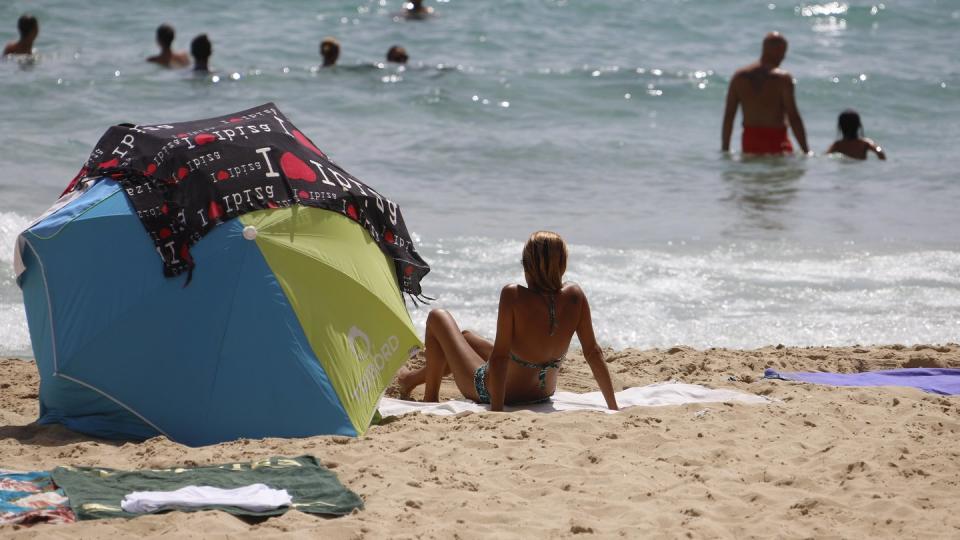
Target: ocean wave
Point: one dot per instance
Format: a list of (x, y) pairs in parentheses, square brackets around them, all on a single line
[(743, 295), (14, 335), (11, 225)]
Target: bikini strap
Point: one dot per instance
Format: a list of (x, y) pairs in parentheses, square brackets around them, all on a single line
[(541, 368), (553, 364), (552, 312)]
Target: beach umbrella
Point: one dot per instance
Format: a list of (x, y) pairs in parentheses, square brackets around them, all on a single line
[(290, 320)]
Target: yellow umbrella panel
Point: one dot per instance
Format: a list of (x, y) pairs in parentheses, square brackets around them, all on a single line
[(343, 290)]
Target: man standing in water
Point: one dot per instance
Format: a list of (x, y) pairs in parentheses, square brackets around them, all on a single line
[(29, 28), (766, 93)]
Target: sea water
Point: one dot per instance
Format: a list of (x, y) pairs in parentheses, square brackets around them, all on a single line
[(598, 119)]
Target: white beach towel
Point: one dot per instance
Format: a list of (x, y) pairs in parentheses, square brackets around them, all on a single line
[(255, 498), (654, 395)]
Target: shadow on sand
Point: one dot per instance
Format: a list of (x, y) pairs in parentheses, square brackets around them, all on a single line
[(51, 435)]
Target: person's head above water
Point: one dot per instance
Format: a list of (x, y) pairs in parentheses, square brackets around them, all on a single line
[(414, 9), (545, 261), (849, 124), (165, 36), (774, 49), (201, 49), (329, 50), (28, 27), (397, 54)]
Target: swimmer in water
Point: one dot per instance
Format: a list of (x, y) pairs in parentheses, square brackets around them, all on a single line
[(330, 51), (414, 9), (167, 57), (201, 49), (852, 142), (766, 93), (29, 28), (397, 54)]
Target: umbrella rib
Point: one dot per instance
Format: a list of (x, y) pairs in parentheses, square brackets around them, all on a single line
[(307, 254), (53, 343), (117, 401), (46, 293), (53, 338), (226, 327), (78, 216)]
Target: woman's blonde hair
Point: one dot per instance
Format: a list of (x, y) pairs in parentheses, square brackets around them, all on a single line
[(545, 261)]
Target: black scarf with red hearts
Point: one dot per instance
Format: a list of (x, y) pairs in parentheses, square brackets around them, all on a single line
[(185, 178)]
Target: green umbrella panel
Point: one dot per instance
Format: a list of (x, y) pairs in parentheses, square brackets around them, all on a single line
[(343, 290)]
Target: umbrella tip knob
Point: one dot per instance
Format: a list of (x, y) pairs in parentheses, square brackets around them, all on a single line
[(250, 232)]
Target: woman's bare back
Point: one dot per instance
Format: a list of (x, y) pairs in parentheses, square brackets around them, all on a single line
[(534, 339), (533, 342)]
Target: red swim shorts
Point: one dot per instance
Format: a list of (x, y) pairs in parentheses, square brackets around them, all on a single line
[(766, 140)]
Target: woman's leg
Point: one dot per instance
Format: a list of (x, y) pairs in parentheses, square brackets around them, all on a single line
[(448, 349), (408, 379)]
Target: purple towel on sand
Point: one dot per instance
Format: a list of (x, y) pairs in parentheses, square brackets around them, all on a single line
[(939, 381)]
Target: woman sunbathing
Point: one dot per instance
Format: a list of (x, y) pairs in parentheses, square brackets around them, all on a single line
[(534, 327)]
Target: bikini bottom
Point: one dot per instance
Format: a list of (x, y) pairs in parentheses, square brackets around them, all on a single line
[(480, 383)]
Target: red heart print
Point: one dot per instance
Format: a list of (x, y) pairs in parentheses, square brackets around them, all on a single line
[(388, 236), (235, 120), (164, 208), (73, 183), (204, 138), (222, 175), (151, 168), (271, 204), (182, 173), (296, 169), (181, 135), (303, 194), (408, 271), (302, 139), (165, 233), (214, 211), (352, 212), (107, 164)]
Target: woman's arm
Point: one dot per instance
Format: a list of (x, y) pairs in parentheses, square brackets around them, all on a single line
[(497, 363), (593, 354)]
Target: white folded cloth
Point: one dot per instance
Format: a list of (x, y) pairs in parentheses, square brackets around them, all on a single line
[(255, 498)]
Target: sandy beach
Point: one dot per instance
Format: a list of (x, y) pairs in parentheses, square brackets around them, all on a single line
[(248, 235), (818, 462)]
